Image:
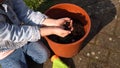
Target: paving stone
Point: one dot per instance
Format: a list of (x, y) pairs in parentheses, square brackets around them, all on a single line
[(117, 29), (96, 52), (81, 61), (109, 42), (97, 64), (118, 10), (114, 60), (96, 56)]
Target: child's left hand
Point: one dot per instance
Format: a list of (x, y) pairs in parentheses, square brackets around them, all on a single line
[(57, 22)]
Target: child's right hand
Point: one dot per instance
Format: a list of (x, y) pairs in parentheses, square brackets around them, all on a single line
[(45, 31)]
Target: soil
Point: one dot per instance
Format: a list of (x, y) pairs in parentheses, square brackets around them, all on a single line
[(75, 35)]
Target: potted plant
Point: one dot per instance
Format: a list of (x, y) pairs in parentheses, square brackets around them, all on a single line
[(70, 45)]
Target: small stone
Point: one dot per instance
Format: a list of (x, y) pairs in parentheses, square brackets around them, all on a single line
[(88, 54), (110, 39), (93, 53), (96, 57), (99, 52), (80, 58), (116, 17)]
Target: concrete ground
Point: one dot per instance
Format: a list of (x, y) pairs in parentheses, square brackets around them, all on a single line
[(102, 46)]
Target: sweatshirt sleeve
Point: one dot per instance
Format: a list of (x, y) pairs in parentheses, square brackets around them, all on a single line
[(15, 33), (14, 37), (28, 16)]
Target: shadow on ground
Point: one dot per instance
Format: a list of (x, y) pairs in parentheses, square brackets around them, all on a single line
[(101, 13)]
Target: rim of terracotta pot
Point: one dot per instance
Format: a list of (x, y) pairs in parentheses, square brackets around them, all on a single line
[(62, 5)]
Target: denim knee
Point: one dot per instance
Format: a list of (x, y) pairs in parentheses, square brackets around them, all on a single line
[(44, 56), (37, 51)]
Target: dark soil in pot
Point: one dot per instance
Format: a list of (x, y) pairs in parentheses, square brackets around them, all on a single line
[(75, 35)]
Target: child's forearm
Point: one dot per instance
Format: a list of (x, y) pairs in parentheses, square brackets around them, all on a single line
[(45, 31), (49, 22), (56, 30)]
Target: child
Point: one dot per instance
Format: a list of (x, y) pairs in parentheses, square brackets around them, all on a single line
[(20, 30)]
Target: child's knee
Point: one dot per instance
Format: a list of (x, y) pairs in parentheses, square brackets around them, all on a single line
[(42, 57), (38, 52), (45, 56)]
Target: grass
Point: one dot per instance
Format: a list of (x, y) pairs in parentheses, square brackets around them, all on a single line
[(39, 5), (33, 4)]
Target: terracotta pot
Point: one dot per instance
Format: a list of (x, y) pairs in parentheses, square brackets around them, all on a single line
[(72, 11)]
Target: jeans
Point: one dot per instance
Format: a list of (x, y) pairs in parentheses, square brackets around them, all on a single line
[(36, 50)]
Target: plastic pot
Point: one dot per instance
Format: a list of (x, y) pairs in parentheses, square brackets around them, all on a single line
[(72, 11)]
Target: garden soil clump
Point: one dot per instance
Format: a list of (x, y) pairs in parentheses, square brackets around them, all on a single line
[(77, 33)]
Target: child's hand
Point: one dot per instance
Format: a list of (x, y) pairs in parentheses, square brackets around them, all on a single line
[(56, 22), (61, 32), (62, 21), (56, 26), (49, 30)]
